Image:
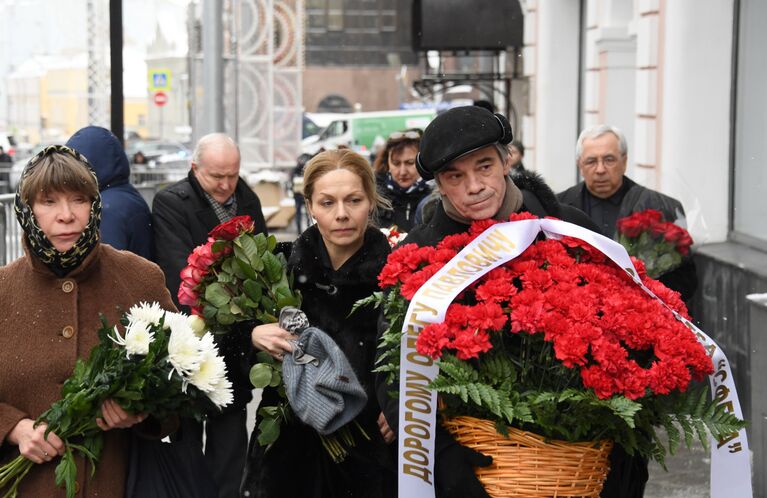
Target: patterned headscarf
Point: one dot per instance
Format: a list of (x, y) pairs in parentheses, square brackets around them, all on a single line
[(60, 263)]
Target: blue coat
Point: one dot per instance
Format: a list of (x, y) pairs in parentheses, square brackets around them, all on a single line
[(126, 222)]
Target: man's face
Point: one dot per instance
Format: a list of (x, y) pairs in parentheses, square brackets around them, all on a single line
[(475, 183), (218, 171), (602, 165)]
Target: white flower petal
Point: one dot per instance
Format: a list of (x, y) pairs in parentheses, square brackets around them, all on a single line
[(222, 394), (150, 313), (184, 348), (212, 371), (138, 337)]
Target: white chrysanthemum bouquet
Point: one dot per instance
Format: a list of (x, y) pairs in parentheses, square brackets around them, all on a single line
[(162, 364)]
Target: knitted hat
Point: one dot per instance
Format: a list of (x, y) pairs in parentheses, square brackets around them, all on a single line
[(457, 132), (320, 383)]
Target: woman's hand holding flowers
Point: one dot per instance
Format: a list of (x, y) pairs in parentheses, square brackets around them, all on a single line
[(33, 444), (273, 339), (115, 417)]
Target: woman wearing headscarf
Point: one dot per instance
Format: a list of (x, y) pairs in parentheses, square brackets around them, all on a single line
[(398, 180), (50, 302)]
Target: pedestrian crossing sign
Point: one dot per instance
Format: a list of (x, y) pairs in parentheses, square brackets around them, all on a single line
[(159, 80)]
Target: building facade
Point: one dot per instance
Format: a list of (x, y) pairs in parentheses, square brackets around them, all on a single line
[(359, 50), (684, 79)]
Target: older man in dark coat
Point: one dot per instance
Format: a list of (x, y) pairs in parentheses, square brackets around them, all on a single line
[(606, 194), (182, 215)]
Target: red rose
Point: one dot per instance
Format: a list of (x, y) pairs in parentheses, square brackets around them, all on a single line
[(192, 275), (230, 230), (202, 257), (187, 295)]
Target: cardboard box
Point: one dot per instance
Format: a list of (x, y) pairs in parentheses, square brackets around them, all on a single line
[(269, 193)]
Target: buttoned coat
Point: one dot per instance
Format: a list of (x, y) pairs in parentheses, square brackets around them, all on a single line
[(46, 323)]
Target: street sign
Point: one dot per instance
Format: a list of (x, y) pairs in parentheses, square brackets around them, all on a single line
[(160, 99), (159, 80)]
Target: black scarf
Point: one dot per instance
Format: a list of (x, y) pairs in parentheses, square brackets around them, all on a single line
[(61, 263)]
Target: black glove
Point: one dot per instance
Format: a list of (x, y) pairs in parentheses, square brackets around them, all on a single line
[(454, 472)]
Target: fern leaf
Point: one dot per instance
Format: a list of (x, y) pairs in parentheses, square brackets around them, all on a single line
[(672, 433), (625, 409)]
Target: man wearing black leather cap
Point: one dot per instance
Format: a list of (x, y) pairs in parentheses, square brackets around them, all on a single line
[(464, 150)]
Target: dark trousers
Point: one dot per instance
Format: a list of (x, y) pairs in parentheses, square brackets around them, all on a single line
[(226, 446)]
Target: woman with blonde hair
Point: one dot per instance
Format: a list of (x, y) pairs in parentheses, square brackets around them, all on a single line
[(334, 263)]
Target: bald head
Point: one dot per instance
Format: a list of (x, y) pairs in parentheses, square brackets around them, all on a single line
[(213, 141), (216, 165)]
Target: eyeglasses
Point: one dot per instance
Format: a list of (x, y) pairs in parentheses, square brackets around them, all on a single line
[(398, 135), (609, 162)]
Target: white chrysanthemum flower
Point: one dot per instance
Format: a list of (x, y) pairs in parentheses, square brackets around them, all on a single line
[(173, 320), (198, 325), (184, 348), (211, 372), (138, 336), (117, 338), (222, 394), (149, 313)]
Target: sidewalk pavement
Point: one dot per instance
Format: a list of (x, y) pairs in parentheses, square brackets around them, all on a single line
[(687, 476)]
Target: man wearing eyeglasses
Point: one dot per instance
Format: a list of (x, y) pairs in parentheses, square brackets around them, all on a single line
[(606, 194)]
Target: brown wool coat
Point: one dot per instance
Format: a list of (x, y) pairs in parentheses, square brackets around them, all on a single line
[(46, 323)]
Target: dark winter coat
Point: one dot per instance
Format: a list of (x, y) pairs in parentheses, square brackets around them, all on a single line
[(126, 222), (683, 279), (46, 324), (404, 203), (182, 218), (297, 464), (636, 199)]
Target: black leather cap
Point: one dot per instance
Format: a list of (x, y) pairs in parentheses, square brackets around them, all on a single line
[(456, 132)]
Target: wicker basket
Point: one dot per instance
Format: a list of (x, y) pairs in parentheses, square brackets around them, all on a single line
[(525, 465)]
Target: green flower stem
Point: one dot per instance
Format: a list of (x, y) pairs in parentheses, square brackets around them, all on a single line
[(17, 469), (12, 473)]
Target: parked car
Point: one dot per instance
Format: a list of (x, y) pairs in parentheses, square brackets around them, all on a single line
[(8, 143), (158, 152)]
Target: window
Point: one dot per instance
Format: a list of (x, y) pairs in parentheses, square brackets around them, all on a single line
[(388, 19), (750, 180), (335, 15)]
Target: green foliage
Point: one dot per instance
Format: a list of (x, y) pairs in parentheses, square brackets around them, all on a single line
[(249, 284)]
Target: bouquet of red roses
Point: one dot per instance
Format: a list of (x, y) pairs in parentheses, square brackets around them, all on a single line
[(660, 244), (558, 341), (236, 276)]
